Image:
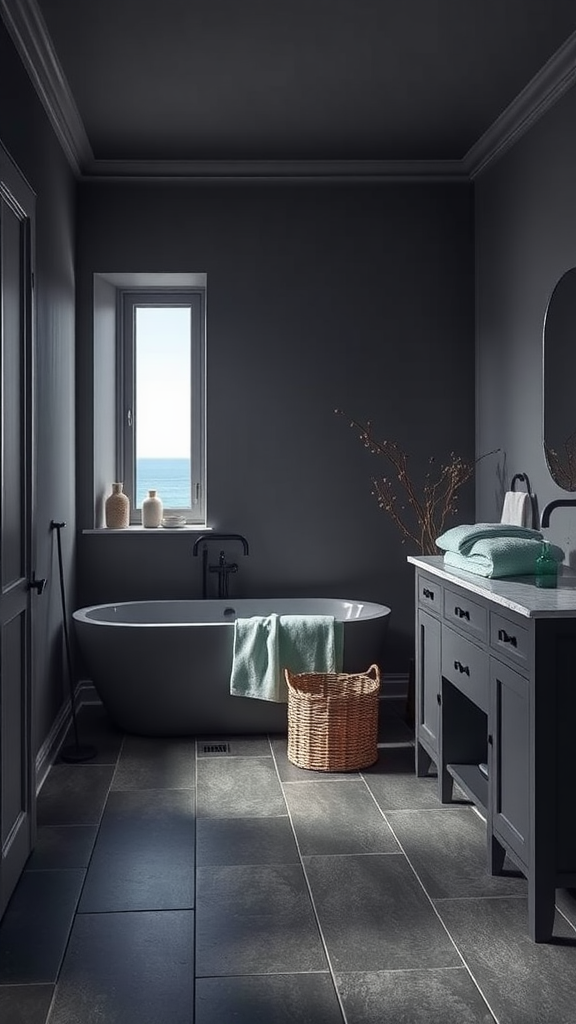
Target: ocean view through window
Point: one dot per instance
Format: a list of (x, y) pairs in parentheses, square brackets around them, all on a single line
[(169, 477)]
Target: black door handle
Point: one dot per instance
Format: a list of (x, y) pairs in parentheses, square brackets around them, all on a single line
[(37, 585)]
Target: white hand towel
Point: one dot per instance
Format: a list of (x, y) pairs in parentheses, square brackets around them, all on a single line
[(517, 508)]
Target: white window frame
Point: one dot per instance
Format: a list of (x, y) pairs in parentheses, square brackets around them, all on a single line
[(195, 299)]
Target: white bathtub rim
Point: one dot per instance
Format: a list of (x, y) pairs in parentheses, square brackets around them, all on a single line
[(369, 611)]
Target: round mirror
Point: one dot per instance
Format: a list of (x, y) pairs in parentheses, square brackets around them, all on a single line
[(560, 382)]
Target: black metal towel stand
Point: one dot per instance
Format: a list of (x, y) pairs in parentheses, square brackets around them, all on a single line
[(73, 752)]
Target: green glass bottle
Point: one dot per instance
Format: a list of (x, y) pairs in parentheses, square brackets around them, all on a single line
[(546, 567)]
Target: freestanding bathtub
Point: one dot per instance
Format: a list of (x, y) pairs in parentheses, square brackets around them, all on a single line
[(162, 668)]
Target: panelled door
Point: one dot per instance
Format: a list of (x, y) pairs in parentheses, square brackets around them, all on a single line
[(17, 777)]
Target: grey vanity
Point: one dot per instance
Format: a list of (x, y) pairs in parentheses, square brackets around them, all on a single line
[(496, 686)]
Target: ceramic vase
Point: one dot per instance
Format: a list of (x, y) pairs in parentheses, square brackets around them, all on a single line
[(151, 511), (117, 508)]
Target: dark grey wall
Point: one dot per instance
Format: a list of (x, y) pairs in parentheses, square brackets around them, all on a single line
[(28, 137), (359, 297), (525, 241)]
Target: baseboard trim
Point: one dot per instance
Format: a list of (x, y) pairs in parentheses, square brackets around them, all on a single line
[(48, 751), (394, 684), (84, 693)]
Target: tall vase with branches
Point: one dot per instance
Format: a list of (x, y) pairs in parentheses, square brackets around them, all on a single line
[(420, 514)]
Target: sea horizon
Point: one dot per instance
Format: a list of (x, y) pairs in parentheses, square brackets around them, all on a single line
[(170, 478)]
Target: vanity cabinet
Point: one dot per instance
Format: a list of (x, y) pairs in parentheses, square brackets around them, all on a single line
[(509, 758), (495, 712), (428, 666)]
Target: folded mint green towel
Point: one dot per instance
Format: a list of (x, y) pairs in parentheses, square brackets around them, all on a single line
[(461, 538), (265, 645), (496, 557)]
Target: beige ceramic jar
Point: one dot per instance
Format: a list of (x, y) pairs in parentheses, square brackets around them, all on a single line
[(117, 508)]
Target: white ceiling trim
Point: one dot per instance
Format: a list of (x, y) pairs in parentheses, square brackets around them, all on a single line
[(542, 92), (29, 32)]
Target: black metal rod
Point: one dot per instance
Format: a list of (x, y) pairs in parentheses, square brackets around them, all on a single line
[(78, 752)]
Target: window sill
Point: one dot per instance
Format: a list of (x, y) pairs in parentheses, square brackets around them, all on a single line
[(136, 528)]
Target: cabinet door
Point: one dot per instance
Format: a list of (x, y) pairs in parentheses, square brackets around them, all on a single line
[(428, 669), (509, 757)]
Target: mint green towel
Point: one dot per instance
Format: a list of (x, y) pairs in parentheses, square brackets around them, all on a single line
[(501, 556), (265, 645), (461, 538)]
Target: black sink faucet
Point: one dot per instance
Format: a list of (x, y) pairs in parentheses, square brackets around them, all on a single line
[(203, 541), (558, 503)]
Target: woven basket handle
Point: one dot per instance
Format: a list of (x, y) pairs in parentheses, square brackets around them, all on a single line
[(375, 669)]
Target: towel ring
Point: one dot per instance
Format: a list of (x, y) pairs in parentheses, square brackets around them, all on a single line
[(523, 477)]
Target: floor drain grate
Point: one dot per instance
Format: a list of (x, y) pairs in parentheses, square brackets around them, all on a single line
[(216, 748)]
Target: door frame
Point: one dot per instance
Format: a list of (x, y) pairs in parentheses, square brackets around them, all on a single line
[(18, 194)]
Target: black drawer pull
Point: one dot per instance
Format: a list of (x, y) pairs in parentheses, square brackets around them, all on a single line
[(506, 639), (428, 593), (462, 613), (461, 668)]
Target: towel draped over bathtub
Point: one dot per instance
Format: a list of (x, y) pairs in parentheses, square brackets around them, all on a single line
[(265, 645)]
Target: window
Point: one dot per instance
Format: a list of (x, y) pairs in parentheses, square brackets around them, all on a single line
[(162, 399)]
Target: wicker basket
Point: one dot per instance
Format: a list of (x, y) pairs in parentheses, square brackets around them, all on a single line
[(333, 720)]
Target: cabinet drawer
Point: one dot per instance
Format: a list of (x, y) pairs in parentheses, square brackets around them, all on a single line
[(509, 639), (465, 614), (465, 666), (429, 595)]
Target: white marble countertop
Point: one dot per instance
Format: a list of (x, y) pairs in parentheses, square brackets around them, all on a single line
[(518, 593)]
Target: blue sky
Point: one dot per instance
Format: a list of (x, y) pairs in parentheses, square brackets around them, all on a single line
[(162, 383)]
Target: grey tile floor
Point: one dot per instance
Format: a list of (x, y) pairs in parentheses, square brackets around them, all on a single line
[(172, 885)]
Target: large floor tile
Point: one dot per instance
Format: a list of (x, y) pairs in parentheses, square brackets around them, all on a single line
[(255, 919), (341, 818), (395, 786), (144, 854), (128, 969), (25, 1004), (35, 927), (268, 999), (74, 794), (374, 914), (448, 852), (523, 981), (222, 841), (290, 772), (414, 997), (147, 763), (62, 846), (96, 730), (238, 787), (233, 746)]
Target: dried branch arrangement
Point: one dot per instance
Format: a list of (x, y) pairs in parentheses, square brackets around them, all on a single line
[(429, 508)]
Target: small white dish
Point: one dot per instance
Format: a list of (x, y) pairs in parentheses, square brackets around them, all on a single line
[(173, 522)]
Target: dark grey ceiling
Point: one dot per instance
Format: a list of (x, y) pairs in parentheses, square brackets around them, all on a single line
[(298, 79)]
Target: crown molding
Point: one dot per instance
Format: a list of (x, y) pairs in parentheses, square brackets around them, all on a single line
[(275, 170), (542, 92), (31, 38), (30, 35)]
